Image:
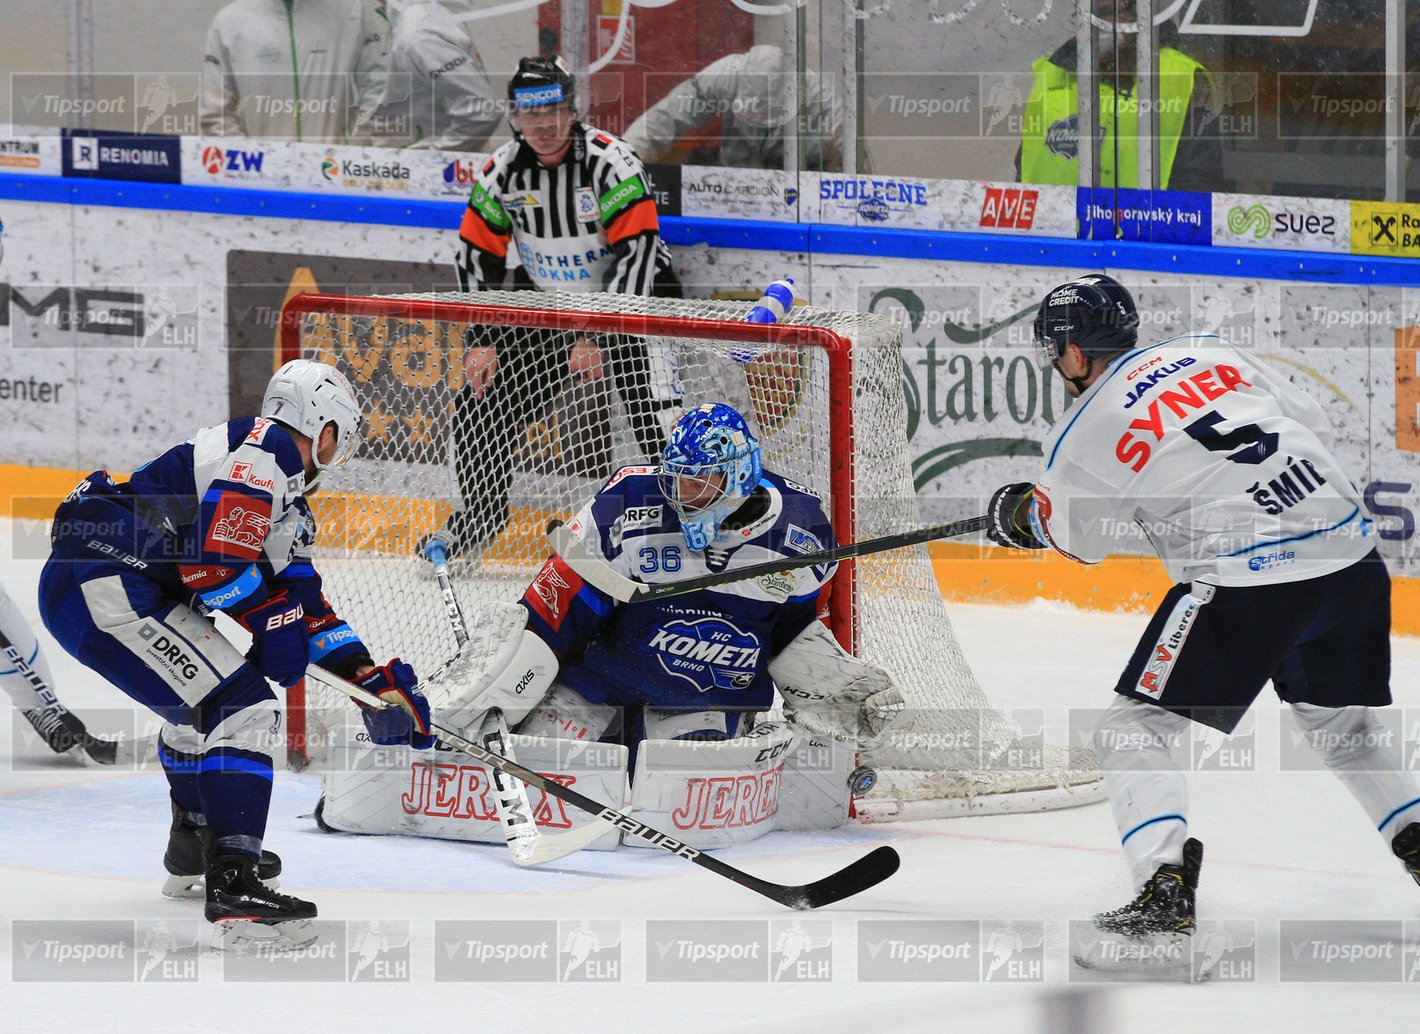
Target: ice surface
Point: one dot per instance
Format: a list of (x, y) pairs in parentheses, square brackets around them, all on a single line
[(85, 844)]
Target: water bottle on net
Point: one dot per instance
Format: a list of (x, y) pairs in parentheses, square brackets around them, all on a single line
[(777, 300)]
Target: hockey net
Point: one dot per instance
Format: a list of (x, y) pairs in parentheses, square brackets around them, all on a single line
[(823, 391)]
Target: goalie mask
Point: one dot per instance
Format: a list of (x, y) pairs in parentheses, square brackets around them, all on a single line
[(710, 466), (1094, 311), (305, 396)]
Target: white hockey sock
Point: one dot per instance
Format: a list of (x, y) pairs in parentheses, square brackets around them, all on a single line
[(1353, 743), (1146, 787)]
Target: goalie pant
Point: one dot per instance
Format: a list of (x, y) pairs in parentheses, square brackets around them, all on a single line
[(215, 523)]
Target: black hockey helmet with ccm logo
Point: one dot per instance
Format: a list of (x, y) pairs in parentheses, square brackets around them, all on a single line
[(1094, 311)]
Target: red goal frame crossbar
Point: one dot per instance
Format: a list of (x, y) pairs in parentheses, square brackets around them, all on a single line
[(773, 335)]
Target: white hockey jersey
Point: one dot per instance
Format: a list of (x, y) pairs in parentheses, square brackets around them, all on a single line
[(1225, 467)]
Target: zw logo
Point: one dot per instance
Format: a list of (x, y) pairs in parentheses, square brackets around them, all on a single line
[(214, 160), (1382, 229), (86, 310)]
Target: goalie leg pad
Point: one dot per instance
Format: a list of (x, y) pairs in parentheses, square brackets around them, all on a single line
[(717, 793), (565, 714), (502, 665), (450, 796)]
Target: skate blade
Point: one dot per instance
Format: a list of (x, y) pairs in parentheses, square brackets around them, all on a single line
[(187, 888), (1162, 956), (253, 937)]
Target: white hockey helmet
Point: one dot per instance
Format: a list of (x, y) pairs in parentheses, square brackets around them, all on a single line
[(305, 395)]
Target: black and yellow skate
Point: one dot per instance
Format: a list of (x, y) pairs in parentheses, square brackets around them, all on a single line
[(1406, 846), (1165, 905)]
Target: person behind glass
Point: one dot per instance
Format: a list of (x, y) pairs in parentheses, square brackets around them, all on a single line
[(749, 93), (292, 69), (437, 94), (576, 204), (1189, 158)]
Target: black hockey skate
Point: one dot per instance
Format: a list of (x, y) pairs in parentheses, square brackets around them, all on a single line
[(63, 730), (246, 912), (1406, 845), (189, 848), (1165, 905)]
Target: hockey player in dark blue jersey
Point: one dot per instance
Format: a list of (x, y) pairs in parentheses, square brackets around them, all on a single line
[(694, 667), (139, 569)]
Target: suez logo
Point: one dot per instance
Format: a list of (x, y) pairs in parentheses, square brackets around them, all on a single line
[(1189, 393), (1260, 223), (217, 160), (1008, 208)]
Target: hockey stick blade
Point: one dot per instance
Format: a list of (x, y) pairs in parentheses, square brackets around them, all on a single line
[(527, 845), (866, 872), (595, 571)]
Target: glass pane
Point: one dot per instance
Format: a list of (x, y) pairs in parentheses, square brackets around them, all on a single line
[(944, 85)]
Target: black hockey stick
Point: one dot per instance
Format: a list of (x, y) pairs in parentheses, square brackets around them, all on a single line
[(597, 572), (868, 871), (527, 845)]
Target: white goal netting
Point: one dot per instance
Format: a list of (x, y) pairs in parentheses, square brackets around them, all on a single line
[(586, 383)]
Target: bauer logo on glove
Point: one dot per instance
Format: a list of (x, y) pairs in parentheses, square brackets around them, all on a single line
[(405, 721)]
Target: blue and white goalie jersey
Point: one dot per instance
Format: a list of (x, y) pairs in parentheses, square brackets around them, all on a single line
[(698, 651), (1225, 466)]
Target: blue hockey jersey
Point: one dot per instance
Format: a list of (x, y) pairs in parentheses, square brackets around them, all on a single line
[(701, 650), (220, 521)]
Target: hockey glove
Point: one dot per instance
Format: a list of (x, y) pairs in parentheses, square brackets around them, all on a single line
[(1009, 514), (407, 721), (278, 638)]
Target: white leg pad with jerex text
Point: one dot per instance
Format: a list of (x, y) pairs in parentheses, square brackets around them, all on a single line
[(448, 795), (716, 793)]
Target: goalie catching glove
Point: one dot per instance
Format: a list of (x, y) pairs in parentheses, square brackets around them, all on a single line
[(830, 692), (406, 721), (1009, 516)]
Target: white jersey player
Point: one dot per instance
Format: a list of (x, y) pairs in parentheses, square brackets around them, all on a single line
[(1227, 469), (25, 676)]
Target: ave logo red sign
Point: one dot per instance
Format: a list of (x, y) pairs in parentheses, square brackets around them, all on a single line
[(1009, 208)]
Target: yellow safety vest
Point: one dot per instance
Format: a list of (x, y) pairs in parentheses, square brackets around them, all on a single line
[(1050, 140)]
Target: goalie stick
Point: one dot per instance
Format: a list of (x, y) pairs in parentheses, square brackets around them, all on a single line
[(596, 571), (868, 871), (527, 844)]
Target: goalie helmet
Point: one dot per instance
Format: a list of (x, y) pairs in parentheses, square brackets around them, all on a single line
[(709, 467), (305, 396), (541, 82), (1093, 311)]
